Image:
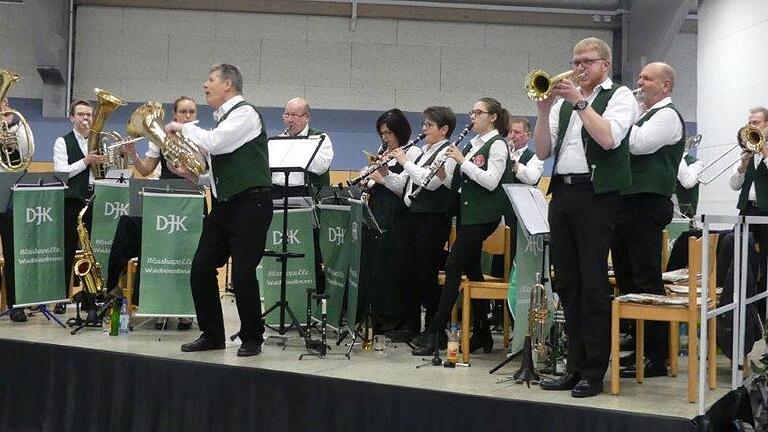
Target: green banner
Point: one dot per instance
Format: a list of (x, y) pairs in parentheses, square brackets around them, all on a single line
[(334, 220), (171, 228), (110, 202), (527, 264), (301, 271), (38, 246), (355, 230)]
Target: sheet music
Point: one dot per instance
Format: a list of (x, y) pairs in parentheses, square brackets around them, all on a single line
[(530, 207), (292, 152)]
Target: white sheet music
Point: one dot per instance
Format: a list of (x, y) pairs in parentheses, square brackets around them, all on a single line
[(530, 206), (292, 153)]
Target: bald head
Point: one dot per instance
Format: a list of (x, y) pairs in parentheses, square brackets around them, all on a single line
[(296, 116), (655, 82)]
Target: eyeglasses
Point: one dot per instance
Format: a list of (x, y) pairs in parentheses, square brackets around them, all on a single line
[(427, 124), (477, 112), (586, 62), (290, 116)]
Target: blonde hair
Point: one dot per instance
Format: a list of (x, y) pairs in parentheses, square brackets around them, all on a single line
[(599, 45)]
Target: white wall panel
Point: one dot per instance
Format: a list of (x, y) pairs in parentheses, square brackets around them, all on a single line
[(437, 34), (305, 62), (395, 66), (169, 22), (260, 26), (336, 29), (358, 98)]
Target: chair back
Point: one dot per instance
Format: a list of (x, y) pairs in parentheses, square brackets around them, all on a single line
[(694, 268), (498, 243)]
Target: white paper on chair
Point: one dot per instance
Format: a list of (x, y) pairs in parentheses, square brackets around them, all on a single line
[(530, 207)]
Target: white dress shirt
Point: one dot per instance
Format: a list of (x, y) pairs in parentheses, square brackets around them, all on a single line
[(528, 173), (737, 179), (414, 173), (664, 128), (319, 165), (688, 175), (61, 161), (241, 126), (621, 112), (497, 161)]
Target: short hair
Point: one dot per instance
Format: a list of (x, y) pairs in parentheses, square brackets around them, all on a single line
[(231, 73), (667, 73), (599, 45), (442, 116), (77, 103), (521, 120), (397, 123), (180, 100), (502, 115), (762, 110)]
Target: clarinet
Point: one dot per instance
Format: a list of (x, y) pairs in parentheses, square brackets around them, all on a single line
[(385, 158), (438, 163)]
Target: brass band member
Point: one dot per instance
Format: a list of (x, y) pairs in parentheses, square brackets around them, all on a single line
[(6, 218), (427, 222), (480, 168), (656, 144), (70, 155), (687, 187), (241, 211), (584, 133)]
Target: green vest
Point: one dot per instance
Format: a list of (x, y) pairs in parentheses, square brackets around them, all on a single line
[(524, 158), (758, 176), (610, 168), (655, 172), (246, 167), (77, 186), (688, 199), (436, 201), (317, 181), (478, 205)]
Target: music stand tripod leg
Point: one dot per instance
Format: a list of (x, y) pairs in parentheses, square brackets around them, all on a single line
[(44, 310)]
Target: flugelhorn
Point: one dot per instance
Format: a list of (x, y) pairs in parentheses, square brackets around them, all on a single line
[(751, 140), (538, 84), (12, 158), (383, 160), (438, 163), (99, 141)]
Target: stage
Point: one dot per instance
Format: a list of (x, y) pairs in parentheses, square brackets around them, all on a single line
[(53, 381)]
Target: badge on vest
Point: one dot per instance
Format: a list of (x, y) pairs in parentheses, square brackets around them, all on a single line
[(479, 160)]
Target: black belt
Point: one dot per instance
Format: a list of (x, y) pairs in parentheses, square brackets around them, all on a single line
[(752, 204), (572, 179), (251, 190)]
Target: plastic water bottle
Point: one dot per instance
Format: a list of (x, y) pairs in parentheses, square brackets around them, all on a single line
[(452, 351), (125, 318)]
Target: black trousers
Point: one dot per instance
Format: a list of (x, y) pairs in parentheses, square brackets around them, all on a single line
[(426, 234), (237, 227), (125, 245), (636, 253), (72, 207), (581, 224), (6, 236), (464, 258)]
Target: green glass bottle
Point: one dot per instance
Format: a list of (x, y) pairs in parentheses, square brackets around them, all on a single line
[(114, 318)]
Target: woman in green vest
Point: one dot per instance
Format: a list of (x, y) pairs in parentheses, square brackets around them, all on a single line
[(480, 168), (383, 259)]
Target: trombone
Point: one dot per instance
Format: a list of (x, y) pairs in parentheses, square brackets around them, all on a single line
[(751, 140)]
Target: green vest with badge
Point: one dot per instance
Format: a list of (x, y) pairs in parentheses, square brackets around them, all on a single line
[(478, 205)]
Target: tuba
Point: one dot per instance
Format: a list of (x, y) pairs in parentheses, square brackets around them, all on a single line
[(147, 121), (99, 141), (538, 84), (86, 268), (12, 158)]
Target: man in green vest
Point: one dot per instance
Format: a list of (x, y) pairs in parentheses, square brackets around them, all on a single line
[(687, 188), (656, 143), (70, 155), (584, 132), (296, 116), (241, 211)]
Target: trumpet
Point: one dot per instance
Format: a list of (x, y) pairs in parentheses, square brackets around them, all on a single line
[(751, 140), (538, 84), (438, 163), (383, 160)]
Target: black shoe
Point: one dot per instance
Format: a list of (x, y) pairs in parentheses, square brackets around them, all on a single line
[(565, 382), (18, 315), (249, 348), (587, 388), (402, 335), (202, 344), (626, 342), (482, 340), (184, 324), (627, 360), (651, 368), (427, 344), (60, 308), (442, 342)]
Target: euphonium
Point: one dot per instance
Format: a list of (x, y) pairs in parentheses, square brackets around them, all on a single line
[(538, 313), (86, 268), (538, 84), (12, 158), (147, 121), (96, 142)]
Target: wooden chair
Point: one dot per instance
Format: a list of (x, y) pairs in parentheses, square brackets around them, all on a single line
[(688, 312), (492, 288), (128, 281)]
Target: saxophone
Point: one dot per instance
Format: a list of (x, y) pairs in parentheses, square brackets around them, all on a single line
[(86, 268)]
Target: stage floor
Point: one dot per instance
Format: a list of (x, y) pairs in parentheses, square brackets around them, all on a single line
[(395, 367)]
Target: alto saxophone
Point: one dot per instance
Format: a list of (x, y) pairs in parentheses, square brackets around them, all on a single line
[(86, 268)]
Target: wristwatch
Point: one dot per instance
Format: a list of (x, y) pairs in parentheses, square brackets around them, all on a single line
[(580, 105)]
